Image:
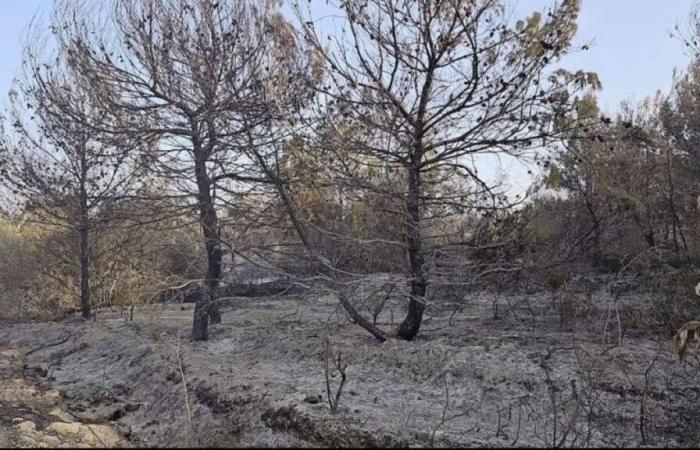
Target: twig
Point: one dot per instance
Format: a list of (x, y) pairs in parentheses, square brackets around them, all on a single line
[(517, 432), (380, 306), (572, 419), (643, 399), (335, 358), (444, 419), (54, 344), (444, 411), (184, 384), (286, 316)]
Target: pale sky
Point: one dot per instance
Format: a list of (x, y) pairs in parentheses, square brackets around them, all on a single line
[(632, 51)]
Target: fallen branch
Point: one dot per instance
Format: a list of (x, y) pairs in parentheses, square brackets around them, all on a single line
[(54, 344), (360, 320)]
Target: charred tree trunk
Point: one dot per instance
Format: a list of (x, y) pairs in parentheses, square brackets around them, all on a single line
[(206, 308), (416, 303), (85, 248), (214, 311), (649, 237), (414, 241), (85, 251)]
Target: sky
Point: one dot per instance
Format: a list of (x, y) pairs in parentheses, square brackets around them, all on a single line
[(632, 51), (15, 15)]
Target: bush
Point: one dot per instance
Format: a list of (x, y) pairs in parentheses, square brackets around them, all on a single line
[(674, 299), (39, 266), (36, 273), (17, 255), (135, 265)]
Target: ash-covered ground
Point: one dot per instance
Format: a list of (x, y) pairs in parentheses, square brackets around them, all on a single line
[(488, 370)]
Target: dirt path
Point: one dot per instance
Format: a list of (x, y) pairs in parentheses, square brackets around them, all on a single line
[(36, 416)]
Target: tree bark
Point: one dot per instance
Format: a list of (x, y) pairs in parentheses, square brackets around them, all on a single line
[(85, 248), (416, 303), (649, 237), (214, 311), (414, 241), (85, 253), (206, 308)]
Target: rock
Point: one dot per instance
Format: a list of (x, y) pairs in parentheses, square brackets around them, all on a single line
[(52, 394), (17, 419), (88, 435), (63, 428), (26, 426), (102, 413), (124, 430), (52, 441), (26, 440), (101, 435), (61, 415)]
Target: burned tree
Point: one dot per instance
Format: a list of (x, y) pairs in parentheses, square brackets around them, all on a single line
[(184, 73), (67, 174), (432, 86)]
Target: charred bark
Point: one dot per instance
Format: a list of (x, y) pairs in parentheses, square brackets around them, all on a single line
[(416, 303), (649, 237), (85, 248), (85, 253), (206, 308)]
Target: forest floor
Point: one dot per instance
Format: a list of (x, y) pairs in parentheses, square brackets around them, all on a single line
[(492, 370)]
